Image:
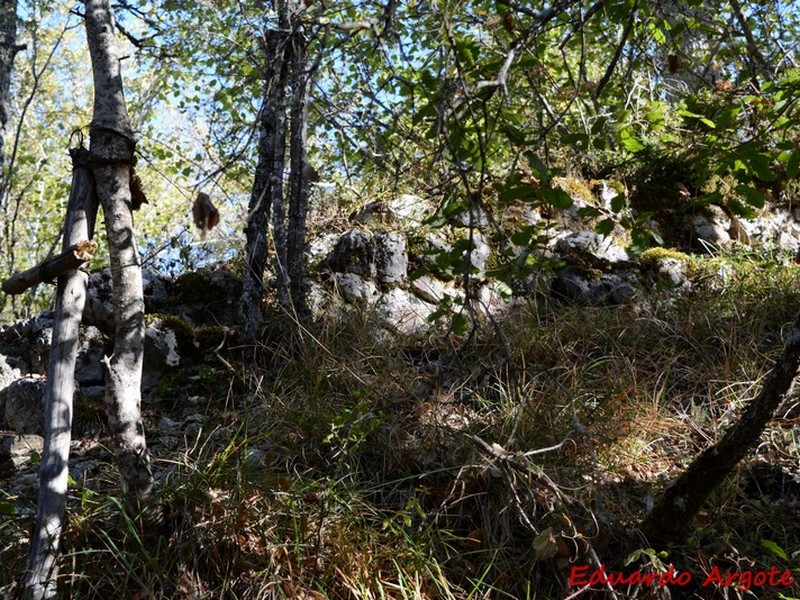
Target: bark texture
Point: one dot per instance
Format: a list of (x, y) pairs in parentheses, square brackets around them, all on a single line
[(298, 193), (669, 520), (39, 580), (69, 260), (267, 186), (286, 91), (112, 146), (8, 48)]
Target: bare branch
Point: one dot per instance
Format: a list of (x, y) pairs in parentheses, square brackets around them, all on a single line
[(73, 258)]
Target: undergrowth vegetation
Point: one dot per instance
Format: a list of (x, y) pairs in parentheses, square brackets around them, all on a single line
[(343, 466)]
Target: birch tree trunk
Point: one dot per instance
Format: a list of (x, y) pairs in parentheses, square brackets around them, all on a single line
[(112, 146), (39, 580)]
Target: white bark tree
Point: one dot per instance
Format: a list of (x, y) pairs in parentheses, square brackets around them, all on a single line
[(112, 146), (39, 580), (110, 158)]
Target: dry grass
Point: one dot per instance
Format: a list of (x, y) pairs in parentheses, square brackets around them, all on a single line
[(340, 466)]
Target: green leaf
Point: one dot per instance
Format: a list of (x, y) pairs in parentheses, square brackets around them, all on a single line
[(580, 140), (605, 227), (773, 548), (518, 192), (618, 203), (538, 167), (793, 164), (523, 236), (515, 135), (703, 200), (460, 323), (599, 126), (502, 289), (557, 198), (705, 120), (589, 212), (751, 195), (630, 142), (759, 165), (658, 36), (740, 209)]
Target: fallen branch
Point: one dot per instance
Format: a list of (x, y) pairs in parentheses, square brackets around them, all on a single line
[(69, 260), (670, 519)]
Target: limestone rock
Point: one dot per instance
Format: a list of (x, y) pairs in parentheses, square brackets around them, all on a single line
[(161, 352), (89, 369), (354, 253), (712, 224), (404, 312), (355, 289), (432, 290), (24, 412), (391, 261), (16, 451), (600, 247), (583, 286)]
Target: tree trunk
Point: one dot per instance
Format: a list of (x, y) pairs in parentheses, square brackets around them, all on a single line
[(112, 146), (286, 68), (39, 580), (267, 186), (283, 57), (8, 48), (670, 519), (298, 193)]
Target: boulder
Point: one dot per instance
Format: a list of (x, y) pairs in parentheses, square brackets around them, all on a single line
[(354, 253), (161, 352), (777, 226), (391, 260), (355, 289), (24, 411), (322, 246), (433, 290), (89, 369), (411, 210), (406, 210), (602, 248), (712, 224), (586, 287), (99, 308), (403, 312), (479, 256), (381, 256)]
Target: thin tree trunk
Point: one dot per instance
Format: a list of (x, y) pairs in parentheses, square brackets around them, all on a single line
[(670, 518), (39, 580), (258, 215), (298, 200), (270, 141), (8, 48), (283, 58), (112, 146)]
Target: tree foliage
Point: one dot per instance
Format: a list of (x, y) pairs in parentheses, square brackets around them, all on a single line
[(472, 103)]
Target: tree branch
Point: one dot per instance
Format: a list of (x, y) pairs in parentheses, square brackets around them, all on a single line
[(73, 258)]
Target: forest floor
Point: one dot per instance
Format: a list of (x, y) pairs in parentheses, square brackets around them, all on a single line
[(509, 464)]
